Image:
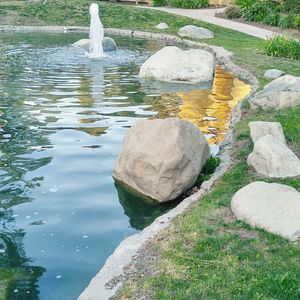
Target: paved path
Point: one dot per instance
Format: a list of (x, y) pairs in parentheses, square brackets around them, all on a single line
[(208, 15)]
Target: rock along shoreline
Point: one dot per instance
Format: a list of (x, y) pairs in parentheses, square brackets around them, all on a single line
[(108, 280)]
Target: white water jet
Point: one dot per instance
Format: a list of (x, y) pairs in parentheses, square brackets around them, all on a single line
[(96, 33)]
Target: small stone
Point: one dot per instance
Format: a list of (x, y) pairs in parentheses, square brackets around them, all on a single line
[(162, 26), (195, 32), (273, 74)]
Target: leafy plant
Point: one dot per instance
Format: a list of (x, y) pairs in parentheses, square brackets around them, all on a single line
[(281, 46), (159, 2), (286, 21), (188, 3), (233, 12), (244, 3)]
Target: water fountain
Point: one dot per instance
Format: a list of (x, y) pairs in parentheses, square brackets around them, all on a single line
[(96, 33)]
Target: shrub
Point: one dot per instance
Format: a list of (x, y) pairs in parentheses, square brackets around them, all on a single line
[(297, 22), (188, 3), (292, 6), (272, 19), (258, 11), (159, 2), (286, 21), (244, 3), (233, 12), (281, 46)]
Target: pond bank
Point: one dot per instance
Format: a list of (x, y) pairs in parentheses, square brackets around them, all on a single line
[(110, 278)]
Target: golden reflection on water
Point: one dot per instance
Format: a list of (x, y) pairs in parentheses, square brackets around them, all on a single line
[(209, 109)]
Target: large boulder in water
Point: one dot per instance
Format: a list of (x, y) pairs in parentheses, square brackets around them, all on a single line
[(108, 43), (174, 64), (280, 93), (195, 32), (271, 206), (161, 158), (272, 158)]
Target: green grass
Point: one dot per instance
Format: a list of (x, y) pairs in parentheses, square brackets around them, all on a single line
[(207, 254), (75, 12)]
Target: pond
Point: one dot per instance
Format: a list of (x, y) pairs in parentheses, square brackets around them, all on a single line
[(62, 121)]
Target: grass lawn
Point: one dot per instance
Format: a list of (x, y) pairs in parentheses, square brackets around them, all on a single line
[(206, 253)]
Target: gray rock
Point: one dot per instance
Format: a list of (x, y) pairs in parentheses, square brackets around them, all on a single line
[(195, 32), (271, 206), (259, 129), (280, 93), (109, 44), (162, 26), (161, 158), (273, 74), (83, 43), (174, 64), (273, 159)]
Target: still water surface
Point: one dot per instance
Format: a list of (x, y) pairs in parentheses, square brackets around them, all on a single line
[(62, 121)]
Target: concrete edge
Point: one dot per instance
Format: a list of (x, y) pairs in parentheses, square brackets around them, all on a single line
[(100, 287)]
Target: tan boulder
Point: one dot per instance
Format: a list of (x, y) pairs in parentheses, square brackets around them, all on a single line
[(259, 129), (161, 158), (271, 206), (173, 64), (273, 159)]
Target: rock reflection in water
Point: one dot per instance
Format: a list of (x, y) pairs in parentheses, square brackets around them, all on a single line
[(208, 109), (141, 211)]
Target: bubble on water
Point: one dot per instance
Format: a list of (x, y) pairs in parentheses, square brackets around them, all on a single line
[(14, 216), (42, 250), (53, 190), (36, 213), (52, 234), (28, 217), (28, 292), (77, 250), (85, 236), (16, 290), (58, 276), (2, 251)]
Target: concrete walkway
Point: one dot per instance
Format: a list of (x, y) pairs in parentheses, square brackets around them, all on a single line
[(208, 15)]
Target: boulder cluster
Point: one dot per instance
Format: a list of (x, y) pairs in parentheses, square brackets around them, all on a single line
[(271, 206)]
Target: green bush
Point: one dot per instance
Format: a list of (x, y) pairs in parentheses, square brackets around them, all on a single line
[(281, 46), (272, 19), (292, 6), (233, 12), (188, 3), (159, 2), (297, 22), (244, 3), (260, 10), (286, 21)]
